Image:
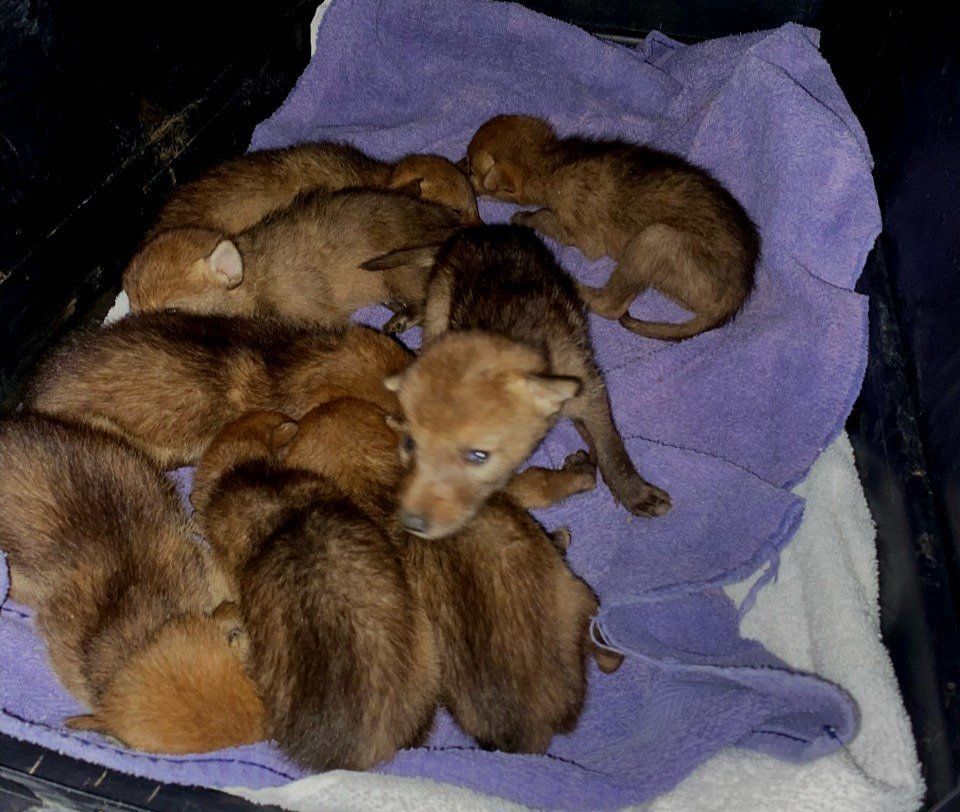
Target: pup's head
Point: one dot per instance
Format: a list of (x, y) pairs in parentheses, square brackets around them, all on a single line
[(474, 406), (507, 157), (349, 441), (254, 436), (187, 692), (190, 269), (437, 179)]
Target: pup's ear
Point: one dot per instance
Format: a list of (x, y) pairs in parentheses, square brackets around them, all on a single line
[(549, 392), (282, 436), (421, 258), (226, 265), (413, 188), (392, 384), (88, 721)]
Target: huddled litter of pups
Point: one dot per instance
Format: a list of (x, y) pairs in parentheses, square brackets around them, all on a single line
[(368, 553)]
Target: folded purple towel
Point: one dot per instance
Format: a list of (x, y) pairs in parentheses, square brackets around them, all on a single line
[(724, 421)]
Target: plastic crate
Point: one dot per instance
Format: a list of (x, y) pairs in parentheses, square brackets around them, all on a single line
[(177, 107)]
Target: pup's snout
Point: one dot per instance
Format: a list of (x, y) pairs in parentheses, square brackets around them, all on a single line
[(413, 522)]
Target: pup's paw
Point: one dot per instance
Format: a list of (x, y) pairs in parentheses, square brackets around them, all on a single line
[(522, 218), (580, 464), (644, 499), (401, 322), (609, 661)]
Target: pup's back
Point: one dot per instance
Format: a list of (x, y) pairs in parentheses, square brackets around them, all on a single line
[(504, 280), (515, 625), (233, 196), (343, 656), (168, 381), (637, 186), (511, 617), (96, 543), (308, 256)]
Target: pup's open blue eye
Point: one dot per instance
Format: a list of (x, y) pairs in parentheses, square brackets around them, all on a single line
[(476, 457)]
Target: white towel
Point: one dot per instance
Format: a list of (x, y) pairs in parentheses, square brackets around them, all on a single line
[(822, 616)]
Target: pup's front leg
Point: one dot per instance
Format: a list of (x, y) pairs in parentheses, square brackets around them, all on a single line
[(542, 487), (546, 222), (405, 317), (593, 419)]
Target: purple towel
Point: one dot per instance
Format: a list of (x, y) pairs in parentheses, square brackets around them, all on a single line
[(725, 421)]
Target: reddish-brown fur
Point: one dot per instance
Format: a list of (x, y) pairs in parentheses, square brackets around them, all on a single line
[(302, 262), (668, 223), (507, 352), (168, 382), (235, 195), (186, 693), (188, 260), (511, 618), (97, 544), (343, 653)]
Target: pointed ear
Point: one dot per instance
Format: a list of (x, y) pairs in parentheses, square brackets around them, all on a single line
[(282, 436), (412, 188), (88, 721), (392, 384), (548, 393), (421, 258), (226, 265)]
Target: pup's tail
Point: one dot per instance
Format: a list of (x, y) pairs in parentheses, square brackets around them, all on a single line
[(666, 331), (421, 258)]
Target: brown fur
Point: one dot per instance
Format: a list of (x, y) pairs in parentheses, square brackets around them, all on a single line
[(536, 487), (438, 180), (302, 262), (168, 382), (668, 224), (507, 353), (98, 546), (344, 656), (511, 618), (186, 693), (235, 195)]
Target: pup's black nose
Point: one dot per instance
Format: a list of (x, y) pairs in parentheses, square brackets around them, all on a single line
[(413, 522)]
